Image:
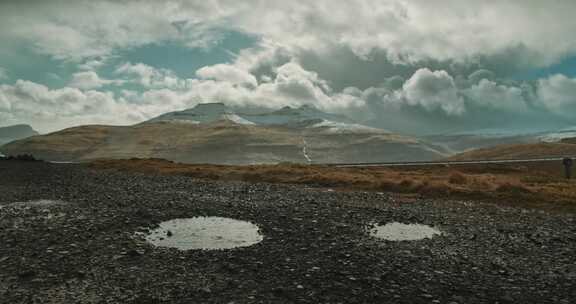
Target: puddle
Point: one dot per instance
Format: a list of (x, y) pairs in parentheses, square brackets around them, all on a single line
[(403, 232), (205, 233)]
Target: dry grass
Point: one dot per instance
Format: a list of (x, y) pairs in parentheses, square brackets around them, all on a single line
[(521, 151), (537, 185)]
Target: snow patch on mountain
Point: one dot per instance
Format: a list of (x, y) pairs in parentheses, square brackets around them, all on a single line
[(202, 113), (237, 119), (305, 150), (302, 117), (296, 117), (180, 121), (557, 136), (345, 128)]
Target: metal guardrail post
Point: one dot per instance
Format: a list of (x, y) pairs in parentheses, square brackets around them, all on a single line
[(568, 163)]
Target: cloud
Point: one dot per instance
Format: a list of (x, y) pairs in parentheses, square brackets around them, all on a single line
[(228, 73), (424, 63), (481, 74), (408, 31), (289, 85), (92, 64), (433, 90), (53, 109), (558, 94), (90, 80), (490, 94), (74, 30), (150, 77)]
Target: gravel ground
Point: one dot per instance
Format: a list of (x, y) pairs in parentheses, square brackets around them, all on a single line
[(316, 248)]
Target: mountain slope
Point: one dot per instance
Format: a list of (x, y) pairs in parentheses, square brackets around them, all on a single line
[(222, 142), (521, 151), (10, 133), (296, 117)]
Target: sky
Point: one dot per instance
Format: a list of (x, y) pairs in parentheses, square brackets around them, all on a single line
[(415, 67)]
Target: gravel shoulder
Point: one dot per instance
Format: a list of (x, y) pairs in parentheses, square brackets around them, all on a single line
[(316, 249)]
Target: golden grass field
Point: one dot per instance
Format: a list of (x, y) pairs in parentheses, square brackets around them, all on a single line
[(521, 151), (533, 185)]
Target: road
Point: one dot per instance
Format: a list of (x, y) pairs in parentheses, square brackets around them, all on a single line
[(446, 163)]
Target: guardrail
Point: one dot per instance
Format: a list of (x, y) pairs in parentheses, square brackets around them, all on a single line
[(440, 163)]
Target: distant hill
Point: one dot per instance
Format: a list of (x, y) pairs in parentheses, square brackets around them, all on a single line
[(521, 151), (15, 132), (212, 133), (460, 143)]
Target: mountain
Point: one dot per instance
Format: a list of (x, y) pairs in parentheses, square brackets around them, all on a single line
[(558, 136), (202, 113), (287, 116), (212, 133), (459, 143), (462, 142), (296, 117), (11, 133)]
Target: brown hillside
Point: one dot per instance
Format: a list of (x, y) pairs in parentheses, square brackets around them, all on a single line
[(522, 151), (221, 142)]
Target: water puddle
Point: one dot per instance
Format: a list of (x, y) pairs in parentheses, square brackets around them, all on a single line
[(403, 232), (205, 233)]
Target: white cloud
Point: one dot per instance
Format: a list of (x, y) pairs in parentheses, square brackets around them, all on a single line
[(558, 93), (433, 90), (291, 85), (408, 30), (150, 77), (92, 64), (73, 30), (479, 75), (228, 73), (349, 57), (29, 102), (490, 94), (90, 80)]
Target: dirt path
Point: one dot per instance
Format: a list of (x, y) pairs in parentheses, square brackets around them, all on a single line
[(315, 248)]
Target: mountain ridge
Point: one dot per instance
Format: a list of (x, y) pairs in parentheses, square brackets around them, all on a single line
[(215, 134), (288, 116), (16, 132)]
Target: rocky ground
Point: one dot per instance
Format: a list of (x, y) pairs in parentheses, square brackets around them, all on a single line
[(82, 249)]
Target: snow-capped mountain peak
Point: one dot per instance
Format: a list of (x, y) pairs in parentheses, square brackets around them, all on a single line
[(302, 117), (202, 113), (297, 117)]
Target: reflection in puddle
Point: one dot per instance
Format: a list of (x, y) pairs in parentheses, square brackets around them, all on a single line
[(403, 232), (205, 233)]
